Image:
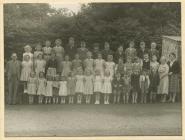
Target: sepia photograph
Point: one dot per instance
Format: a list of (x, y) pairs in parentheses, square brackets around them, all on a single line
[(92, 69)]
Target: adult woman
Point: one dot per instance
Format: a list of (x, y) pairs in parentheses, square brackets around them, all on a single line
[(174, 70), (164, 81), (59, 51)]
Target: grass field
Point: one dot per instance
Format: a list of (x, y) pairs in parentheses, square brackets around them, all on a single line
[(93, 120)]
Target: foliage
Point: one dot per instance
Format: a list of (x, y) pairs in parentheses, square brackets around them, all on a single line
[(117, 23)]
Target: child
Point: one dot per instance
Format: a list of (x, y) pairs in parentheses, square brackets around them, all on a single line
[(88, 86), (117, 85), (79, 89), (49, 89), (38, 50), (66, 66), (96, 50), (47, 50), (27, 67), (130, 51), (56, 89), (126, 88), (32, 87), (110, 65), (128, 66), (28, 50), (99, 64), (153, 63), (40, 65), (137, 65), (82, 51), (144, 83), (97, 86), (146, 62), (89, 62), (153, 51), (51, 65), (76, 63), (71, 84), (63, 89), (154, 82), (120, 68), (41, 87), (135, 86), (107, 86)]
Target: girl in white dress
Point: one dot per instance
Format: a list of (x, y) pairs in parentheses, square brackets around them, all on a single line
[(97, 86), (107, 86), (89, 62), (99, 64), (79, 89), (32, 87), (110, 65), (56, 89), (41, 87), (88, 86), (63, 89), (49, 89), (66, 66), (71, 84), (27, 51), (39, 64), (27, 67)]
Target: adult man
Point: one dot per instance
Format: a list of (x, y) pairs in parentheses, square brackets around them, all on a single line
[(107, 51), (71, 48), (13, 68)]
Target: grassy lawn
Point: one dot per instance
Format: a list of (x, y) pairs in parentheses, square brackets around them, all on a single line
[(93, 120)]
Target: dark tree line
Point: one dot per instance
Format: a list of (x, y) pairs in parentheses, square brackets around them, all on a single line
[(117, 23)]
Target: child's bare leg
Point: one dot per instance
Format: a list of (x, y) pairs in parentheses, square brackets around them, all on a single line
[(173, 97), (151, 97), (135, 101), (118, 97), (108, 98)]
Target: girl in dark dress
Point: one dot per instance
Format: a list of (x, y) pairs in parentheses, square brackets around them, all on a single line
[(117, 85), (154, 82), (135, 86)]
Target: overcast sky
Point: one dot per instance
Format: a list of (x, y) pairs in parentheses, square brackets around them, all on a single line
[(75, 7)]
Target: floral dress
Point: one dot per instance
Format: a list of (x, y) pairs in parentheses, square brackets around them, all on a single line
[(88, 85)]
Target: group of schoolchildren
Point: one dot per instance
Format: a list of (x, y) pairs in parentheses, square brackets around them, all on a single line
[(56, 76)]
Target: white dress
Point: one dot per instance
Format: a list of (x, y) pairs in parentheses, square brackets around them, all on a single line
[(40, 66), (98, 84), (63, 88), (32, 86), (164, 80), (107, 86), (110, 66), (79, 84), (88, 85), (26, 70), (99, 65), (41, 87), (49, 88)]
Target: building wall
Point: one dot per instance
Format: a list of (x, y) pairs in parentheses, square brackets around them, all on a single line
[(169, 45)]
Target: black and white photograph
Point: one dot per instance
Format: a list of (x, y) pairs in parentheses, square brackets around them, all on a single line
[(94, 69)]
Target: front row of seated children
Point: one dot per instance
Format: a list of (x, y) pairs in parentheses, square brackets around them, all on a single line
[(78, 86)]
